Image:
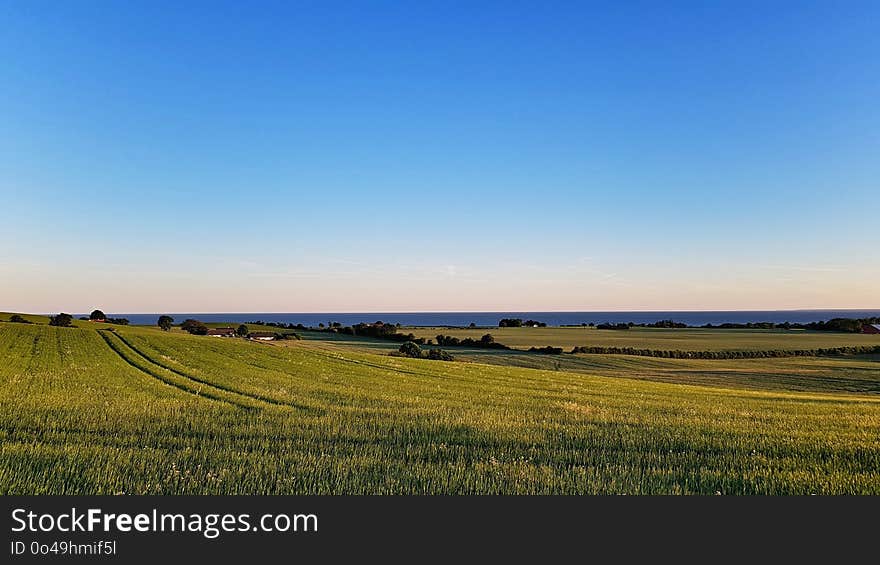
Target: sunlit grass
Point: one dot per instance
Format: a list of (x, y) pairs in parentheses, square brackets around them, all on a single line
[(77, 417), (692, 339)]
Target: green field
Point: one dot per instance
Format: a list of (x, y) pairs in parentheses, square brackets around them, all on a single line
[(698, 339), (87, 411), (845, 374)]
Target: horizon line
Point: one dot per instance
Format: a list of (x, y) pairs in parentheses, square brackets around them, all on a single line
[(862, 309)]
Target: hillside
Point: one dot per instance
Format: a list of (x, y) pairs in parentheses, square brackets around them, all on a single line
[(691, 339), (142, 411)]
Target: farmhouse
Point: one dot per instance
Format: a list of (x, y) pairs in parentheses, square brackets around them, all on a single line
[(262, 336), (221, 332), (871, 329)]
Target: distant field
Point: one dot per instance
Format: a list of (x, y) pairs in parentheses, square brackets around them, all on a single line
[(35, 318), (39, 319), (141, 411), (650, 338), (847, 374)]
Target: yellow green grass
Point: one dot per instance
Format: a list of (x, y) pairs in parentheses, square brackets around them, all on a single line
[(699, 339), (845, 374), (82, 411)]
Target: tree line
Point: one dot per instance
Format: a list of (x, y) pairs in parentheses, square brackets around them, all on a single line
[(378, 330), (519, 323), (762, 354), (485, 342), (64, 320), (197, 327), (844, 325)]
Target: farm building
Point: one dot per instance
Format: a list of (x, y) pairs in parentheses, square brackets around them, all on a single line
[(262, 336), (871, 329), (221, 332)]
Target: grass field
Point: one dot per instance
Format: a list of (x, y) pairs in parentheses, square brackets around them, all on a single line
[(847, 374), (142, 411), (699, 339)]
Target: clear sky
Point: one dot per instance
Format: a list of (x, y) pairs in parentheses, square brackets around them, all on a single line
[(407, 156)]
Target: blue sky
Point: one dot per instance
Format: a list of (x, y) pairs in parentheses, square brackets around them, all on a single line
[(439, 156)]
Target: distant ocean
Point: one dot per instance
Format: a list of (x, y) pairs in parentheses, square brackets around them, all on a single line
[(492, 318)]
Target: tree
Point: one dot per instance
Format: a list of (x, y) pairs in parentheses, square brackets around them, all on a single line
[(97, 315), (165, 322), (62, 320), (487, 339), (15, 318), (472, 325), (411, 349), (194, 327), (241, 330)]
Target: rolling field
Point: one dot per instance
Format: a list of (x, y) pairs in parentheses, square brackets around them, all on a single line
[(698, 339), (840, 374), (142, 411)]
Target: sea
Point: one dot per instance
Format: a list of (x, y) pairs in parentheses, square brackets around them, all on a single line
[(490, 319)]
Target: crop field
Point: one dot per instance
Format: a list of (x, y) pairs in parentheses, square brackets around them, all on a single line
[(32, 318), (698, 339), (845, 374), (140, 411)]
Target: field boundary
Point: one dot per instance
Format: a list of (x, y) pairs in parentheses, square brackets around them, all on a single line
[(742, 354)]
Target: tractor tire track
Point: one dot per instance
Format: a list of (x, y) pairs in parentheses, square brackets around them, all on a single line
[(194, 392), (229, 390)]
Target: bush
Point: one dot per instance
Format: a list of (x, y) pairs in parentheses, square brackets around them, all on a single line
[(411, 349), (62, 320), (287, 335), (97, 315), (15, 318), (440, 355), (447, 340)]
